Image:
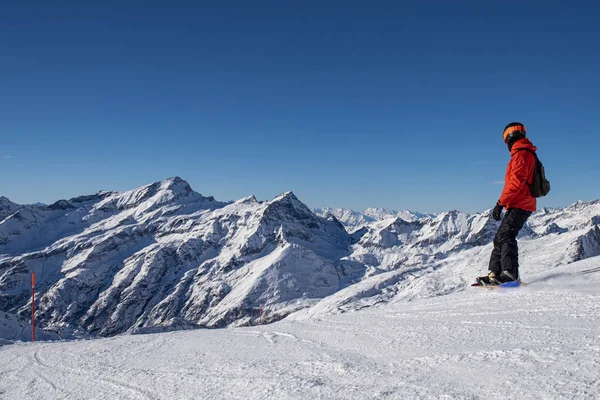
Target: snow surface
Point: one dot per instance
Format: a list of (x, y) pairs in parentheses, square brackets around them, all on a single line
[(14, 328), (541, 341)]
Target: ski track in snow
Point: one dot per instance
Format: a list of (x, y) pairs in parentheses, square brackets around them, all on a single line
[(537, 342)]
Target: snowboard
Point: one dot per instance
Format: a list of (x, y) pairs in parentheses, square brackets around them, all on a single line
[(513, 284)]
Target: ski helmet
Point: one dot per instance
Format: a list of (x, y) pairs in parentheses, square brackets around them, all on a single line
[(513, 132)]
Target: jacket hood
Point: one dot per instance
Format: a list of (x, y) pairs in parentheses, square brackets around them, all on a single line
[(522, 144)]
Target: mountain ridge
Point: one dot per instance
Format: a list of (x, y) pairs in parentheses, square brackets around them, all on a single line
[(163, 257)]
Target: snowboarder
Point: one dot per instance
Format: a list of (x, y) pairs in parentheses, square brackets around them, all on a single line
[(516, 198)]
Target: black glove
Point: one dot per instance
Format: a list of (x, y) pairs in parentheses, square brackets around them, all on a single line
[(497, 212)]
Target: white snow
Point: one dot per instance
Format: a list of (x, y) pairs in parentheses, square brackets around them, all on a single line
[(537, 342), (384, 312), (14, 328)]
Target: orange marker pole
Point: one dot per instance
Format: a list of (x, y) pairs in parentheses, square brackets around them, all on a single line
[(33, 306)]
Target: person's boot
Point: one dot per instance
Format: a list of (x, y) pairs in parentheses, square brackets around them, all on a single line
[(488, 280), (507, 276)]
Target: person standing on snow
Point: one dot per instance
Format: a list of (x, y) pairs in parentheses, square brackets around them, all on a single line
[(516, 198)]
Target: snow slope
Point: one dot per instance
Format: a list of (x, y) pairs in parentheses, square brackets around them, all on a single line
[(537, 342), (14, 328)]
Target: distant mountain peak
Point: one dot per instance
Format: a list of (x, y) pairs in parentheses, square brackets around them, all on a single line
[(7, 207), (152, 195), (5, 201), (287, 205), (247, 200), (332, 218), (61, 205), (176, 183), (354, 220), (286, 196), (290, 200), (175, 179), (450, 214)]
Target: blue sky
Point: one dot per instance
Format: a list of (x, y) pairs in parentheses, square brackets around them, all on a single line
[(348, 104)]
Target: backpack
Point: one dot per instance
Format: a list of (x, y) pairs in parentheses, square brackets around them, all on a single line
[(540, 186)]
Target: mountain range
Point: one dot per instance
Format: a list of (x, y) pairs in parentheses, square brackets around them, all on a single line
[(163, 257)]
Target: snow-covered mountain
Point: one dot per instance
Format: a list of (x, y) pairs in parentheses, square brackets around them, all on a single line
[(353, 220), (163, 257), (7, 207)]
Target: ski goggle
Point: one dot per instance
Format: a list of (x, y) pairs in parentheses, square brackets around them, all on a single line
[(511, 129)]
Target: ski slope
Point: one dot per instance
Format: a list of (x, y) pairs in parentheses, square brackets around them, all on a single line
[(537, 342)]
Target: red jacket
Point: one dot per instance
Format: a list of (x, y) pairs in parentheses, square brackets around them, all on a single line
[(519, 173)]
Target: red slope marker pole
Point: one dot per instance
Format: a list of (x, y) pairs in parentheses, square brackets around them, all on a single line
[(33, 306)]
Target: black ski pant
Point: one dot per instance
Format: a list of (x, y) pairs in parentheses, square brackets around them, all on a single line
[(505, 256)]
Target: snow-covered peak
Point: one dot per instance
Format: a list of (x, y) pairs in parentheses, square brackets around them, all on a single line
[(580, 215), (287, 204), (354, 220), (4, 201), (332, 218), (30, 227), (447, 224), (287, 197), (93, 198), (61, 205), (7, 207), (147, 198), (384, 213), (582, 205), (176, 185), (247, 200)]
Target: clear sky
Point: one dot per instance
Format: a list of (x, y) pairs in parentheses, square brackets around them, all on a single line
[(349, 104)]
